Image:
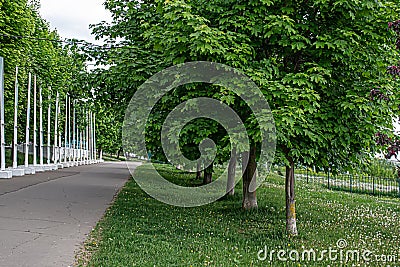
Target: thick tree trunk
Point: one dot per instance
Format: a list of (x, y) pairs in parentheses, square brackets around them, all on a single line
[(208, 172), (230, 186), (291, 227), (249, 180)]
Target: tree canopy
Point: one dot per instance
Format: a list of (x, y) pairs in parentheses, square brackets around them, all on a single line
[(27, 42), (315, 61)]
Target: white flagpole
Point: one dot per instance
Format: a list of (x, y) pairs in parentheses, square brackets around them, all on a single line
[(66, 128), (3, 174), (90, 136), (59, 137), (34, 122), (79, 137), (94, 136), (56, 131), (15, 170), (28, 116), (40, 127), (81, 145), (2, 120), (48, 127), (69, 130), (15, 147), (77, 145), (87, 137), (74, 132)]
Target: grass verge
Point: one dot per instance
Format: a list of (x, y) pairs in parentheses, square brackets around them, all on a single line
[(140, 231)]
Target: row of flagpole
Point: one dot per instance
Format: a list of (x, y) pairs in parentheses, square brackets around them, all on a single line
[(79, 150)]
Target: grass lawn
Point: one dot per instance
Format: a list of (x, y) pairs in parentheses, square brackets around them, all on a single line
[(140, 231), (108, 157)]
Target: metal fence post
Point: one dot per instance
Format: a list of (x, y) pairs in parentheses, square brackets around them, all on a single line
[(329, 183), (398, 182), (373, 185), (351, 183), (307, 174)]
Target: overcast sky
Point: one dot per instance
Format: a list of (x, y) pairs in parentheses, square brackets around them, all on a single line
[(72, 18)]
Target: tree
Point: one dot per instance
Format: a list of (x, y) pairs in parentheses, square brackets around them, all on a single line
[(388, 139), (27, 42), (315, 61)]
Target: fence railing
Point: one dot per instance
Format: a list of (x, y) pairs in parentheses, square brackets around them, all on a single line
[(378, 186)]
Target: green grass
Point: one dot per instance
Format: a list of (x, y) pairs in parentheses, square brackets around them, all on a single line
[(140, 231), (108, 157)]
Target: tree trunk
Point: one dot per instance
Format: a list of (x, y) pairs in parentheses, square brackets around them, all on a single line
[(249, 180), (230, 186), (208, 172), (291, 227), (198, 173)]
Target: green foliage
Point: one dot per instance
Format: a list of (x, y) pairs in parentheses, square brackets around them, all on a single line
[(26, 41), (108, 127), (381, 168), (315, 61)]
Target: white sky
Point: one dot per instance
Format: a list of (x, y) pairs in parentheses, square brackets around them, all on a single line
[(72, 18)]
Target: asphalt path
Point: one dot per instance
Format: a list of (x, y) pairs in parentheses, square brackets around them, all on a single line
[(45, 218)]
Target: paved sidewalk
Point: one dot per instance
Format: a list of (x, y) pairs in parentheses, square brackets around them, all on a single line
[(45, 218)]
